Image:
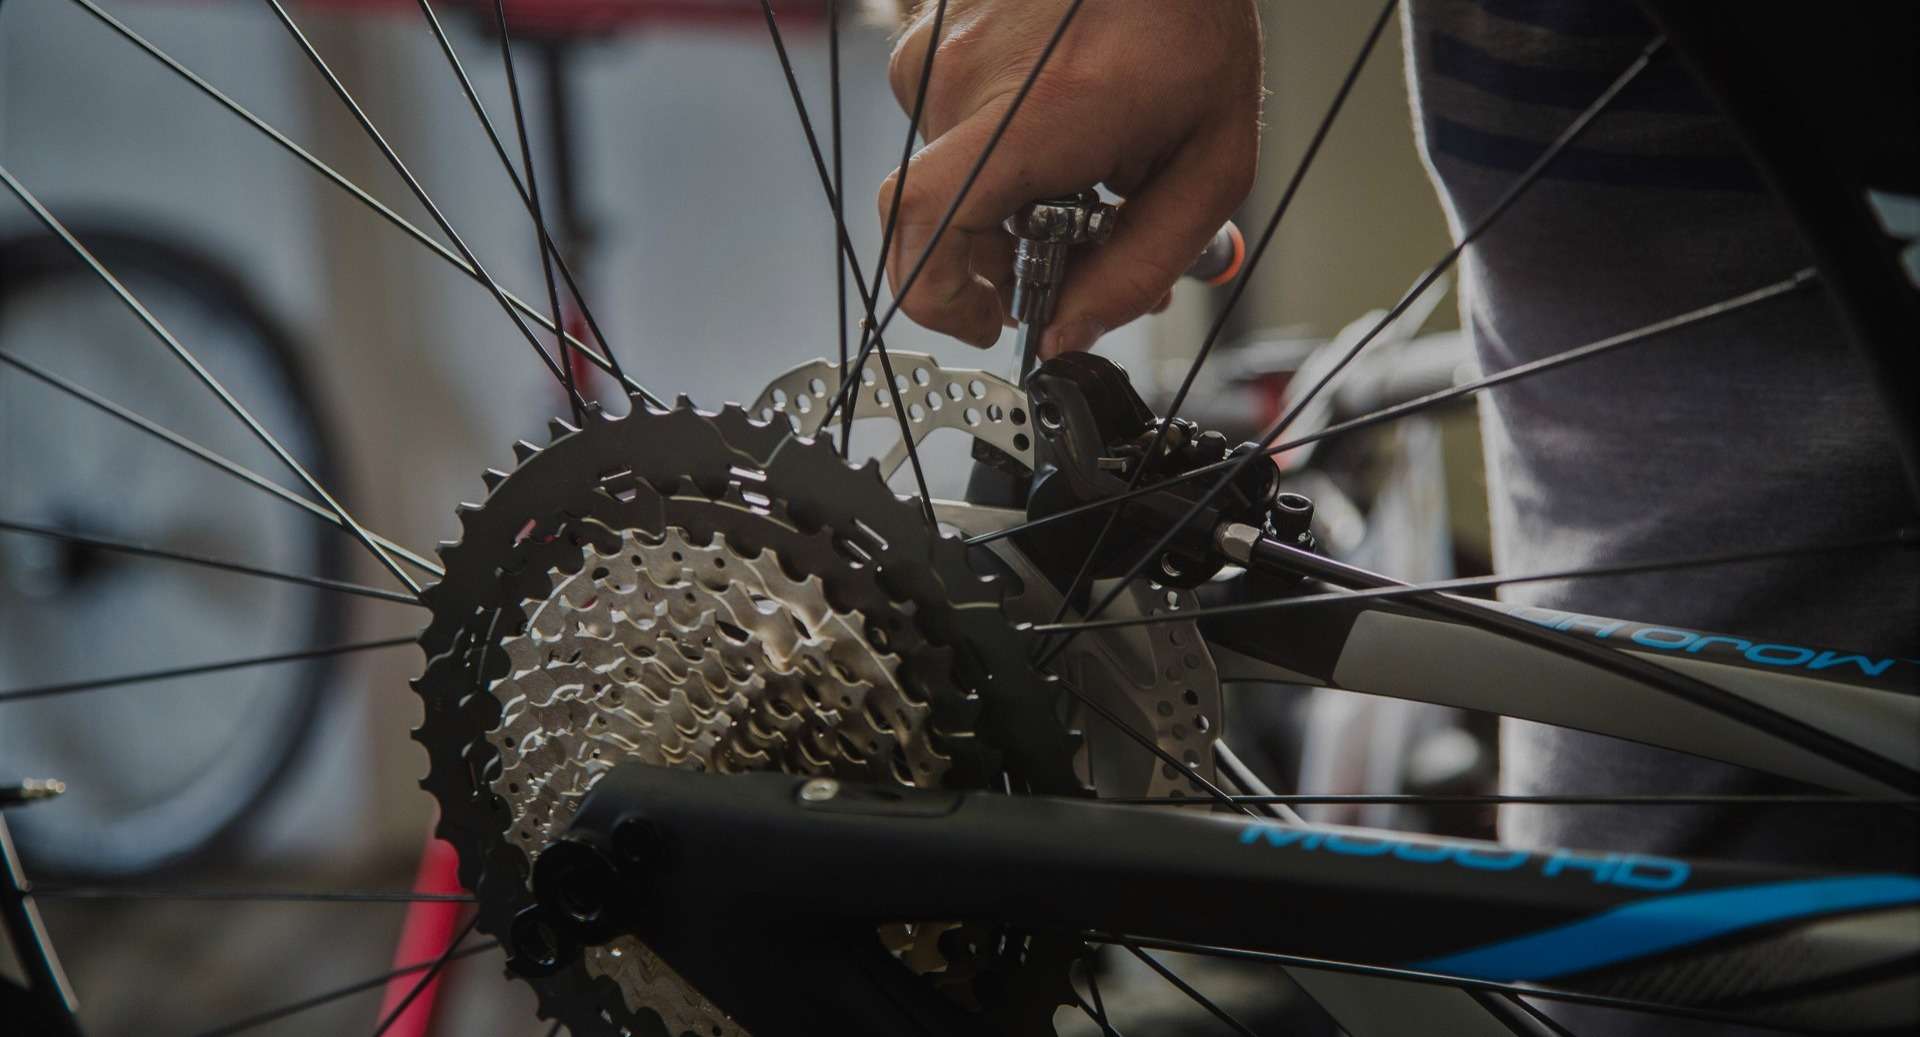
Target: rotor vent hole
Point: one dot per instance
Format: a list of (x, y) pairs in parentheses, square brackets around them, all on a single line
[(817, 386)]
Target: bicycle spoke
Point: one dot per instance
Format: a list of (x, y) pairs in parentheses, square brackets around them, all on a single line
[(1801, 279), (845, 242), (413, 185), (851, 260), (206, 377), (953, 208), (1106, 1028), (906, 434), (427, 979), (541, 240), (527, 190), (1188, 989), (275, 1015), (353, 190), (1486, 220), (1145, 742), (1909, 540), (839, 184), (291, 896), (1463, 800), (1479, 226), (128, 547), (173, 439), (1523, 990), (1241, 777), (893, 207), (1240, 283), (46, 690), (1098, 1010)]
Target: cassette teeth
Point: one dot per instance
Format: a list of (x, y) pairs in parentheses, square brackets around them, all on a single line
[(646, 472)]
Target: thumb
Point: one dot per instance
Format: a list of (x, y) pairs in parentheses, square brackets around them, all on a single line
[(1162, 229)]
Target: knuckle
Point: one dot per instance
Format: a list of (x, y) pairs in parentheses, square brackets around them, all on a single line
[(884, 197), (899, 74), (918, 204)]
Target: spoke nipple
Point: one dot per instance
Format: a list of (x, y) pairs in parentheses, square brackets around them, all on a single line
[(30, 790)]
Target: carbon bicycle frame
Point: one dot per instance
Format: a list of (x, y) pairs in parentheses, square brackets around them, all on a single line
[(1391, 933), (764, 890)]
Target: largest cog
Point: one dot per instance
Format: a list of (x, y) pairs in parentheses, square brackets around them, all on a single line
[(846, 638)]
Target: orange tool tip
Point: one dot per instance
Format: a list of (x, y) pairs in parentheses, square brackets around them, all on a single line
[(1232, 270)]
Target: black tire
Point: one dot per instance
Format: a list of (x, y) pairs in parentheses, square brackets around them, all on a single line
[(35, 261)]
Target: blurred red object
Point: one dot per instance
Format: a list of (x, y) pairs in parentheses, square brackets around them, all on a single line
[(581, 17), (424, 936)]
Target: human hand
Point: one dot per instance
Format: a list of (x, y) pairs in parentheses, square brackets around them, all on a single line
[(1158, 101)]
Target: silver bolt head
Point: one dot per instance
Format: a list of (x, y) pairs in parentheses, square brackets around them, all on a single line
[(1100, 223), (1043, 221), (819, 790)]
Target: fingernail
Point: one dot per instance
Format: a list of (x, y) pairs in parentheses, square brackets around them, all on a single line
[(1072, 337)]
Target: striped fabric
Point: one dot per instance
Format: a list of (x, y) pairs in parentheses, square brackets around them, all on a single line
[(1756, 430)]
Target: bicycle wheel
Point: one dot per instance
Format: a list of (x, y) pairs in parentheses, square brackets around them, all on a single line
[(179, 774), (732, 738)]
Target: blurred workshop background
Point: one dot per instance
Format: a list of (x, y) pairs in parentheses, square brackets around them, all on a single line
[(680, 181)]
